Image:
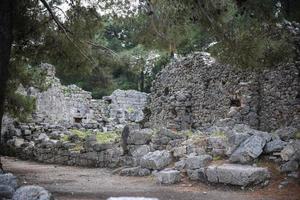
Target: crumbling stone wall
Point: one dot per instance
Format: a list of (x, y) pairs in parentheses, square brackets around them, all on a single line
[(197, 92), (127, 105), (69, 105)]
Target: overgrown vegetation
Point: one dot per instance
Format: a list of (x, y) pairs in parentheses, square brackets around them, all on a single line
[(102, 137), (104, 45)]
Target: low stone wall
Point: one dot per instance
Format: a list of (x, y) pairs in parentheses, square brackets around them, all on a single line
[(164, 153)]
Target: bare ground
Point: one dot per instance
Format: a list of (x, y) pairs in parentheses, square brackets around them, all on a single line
[(78, 183)]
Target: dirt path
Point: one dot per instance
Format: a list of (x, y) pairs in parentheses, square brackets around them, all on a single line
[(68, 183)]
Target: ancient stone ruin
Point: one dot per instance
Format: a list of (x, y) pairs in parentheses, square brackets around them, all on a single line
[(206, 121), (70, 105), (197, 92)]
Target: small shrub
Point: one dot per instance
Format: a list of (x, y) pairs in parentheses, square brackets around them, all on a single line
[(77, 148), (218, 134), (297, 136)]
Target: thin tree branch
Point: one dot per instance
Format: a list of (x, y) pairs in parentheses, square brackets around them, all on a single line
[(67, 32)]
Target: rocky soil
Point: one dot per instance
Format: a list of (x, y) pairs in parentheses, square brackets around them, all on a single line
[(66, 182)]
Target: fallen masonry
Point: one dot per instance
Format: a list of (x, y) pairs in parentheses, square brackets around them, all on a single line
[(168, 176), (200, 114), (141, 157), (235, 174), (9, 189)]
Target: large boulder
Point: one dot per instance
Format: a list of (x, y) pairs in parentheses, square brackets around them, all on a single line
[(8, 179), (156, 160), (217, 144), (274, 146), (250, 149), (240, 133), (6, 192), (286, 133), (140, 151), (289, 166), (291, 151), (236, 174), (197, 162), (168, 177), (234, 140), (32, 192), (163, 137), (139, 136)]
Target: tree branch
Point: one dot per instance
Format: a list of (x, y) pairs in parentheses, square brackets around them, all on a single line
[(68, 33)]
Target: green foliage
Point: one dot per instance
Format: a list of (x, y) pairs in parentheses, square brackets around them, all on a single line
[(103, 53), (102, 137), (218, 134), (20, 106), (297, 136)]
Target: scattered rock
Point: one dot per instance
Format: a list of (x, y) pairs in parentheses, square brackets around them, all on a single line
[(168, 177), (197, 162), (234, 140), (32, 192), (289, 166), (180, 165), (286, 133), (274, 146), (294, 175), (19, 142), (8, 179), (139, 136), (250, 149), (6, 192), (156, 160), (179, 152), (135, 171), (291, 151), (141, 151), (102, 147), (43, 137), (197, 174), (236, 174)]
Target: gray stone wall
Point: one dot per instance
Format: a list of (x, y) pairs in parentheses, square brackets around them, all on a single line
[(127, 105), (197, 92), (69, 105)]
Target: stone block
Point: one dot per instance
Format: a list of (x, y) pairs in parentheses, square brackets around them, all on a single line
[(168, 177), (236, 174), (156, 160)]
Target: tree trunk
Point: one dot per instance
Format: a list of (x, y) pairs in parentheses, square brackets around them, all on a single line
[(6, 37)]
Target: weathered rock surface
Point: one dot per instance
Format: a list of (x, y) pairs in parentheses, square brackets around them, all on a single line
[(236, 174), (139, 136), (168, 177), (6, 192), (291, 151), (196, 91), (32, 192), (250, 149), (140, 151), (8, 179), (274, 146), (289, 166), (135, 171), (196, 162), (196, 174), (156, 160), (286, 133)]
